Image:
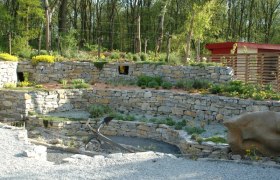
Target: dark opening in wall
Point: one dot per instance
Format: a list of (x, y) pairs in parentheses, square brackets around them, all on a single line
[(20, 76), (123, 70)]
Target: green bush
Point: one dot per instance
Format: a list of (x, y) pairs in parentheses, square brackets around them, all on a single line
[(201, 84), (167, 85), (194, 130), (136, 57), (8, 57), (143, 57), (215, 89), (115, 55), (42, 58), (79, 84), (180, 125), (24, 84), (10, 85), (152, 84), (169, 121), (97, 111), (100, 64)]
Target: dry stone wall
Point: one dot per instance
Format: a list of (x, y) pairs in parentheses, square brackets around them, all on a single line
[(8, 72), (144, 102), (43, 72)]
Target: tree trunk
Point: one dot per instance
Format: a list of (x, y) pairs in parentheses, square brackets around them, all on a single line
[(189, 38), (62, 17), (138, 36), (160, 27), (47, 16)]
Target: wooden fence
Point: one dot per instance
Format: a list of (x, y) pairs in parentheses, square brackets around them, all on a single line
[(260, 68)]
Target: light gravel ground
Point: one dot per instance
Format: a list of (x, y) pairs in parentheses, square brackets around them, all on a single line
[(148, 165)]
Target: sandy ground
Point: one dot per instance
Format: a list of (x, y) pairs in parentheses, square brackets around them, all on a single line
[(146, 165)]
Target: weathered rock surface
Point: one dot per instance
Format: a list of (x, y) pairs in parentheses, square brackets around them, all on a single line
[(257, 131)]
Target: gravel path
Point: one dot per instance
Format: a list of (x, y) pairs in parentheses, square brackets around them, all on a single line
[(148, 165)]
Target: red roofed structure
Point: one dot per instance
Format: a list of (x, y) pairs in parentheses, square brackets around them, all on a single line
[(242, 47)]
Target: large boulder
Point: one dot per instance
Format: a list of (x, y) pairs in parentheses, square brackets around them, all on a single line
[(258, 131)]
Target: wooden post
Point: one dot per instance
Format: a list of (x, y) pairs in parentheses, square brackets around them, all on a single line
[(246, 69), (278, 74)]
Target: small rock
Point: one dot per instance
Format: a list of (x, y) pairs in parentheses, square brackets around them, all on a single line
[(236, 157), (55, 141)]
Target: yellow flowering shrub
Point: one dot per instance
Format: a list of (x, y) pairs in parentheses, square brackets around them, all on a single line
[(8, 57), (42, 58)]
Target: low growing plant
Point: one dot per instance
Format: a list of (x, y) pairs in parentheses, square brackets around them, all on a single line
[(194, 130), (97, 111), (8, 57), (216, 139), (10, 85), (42, 58)]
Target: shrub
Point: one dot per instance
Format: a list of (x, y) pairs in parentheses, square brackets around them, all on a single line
[(129, 56), (180, 125), (24, 84), (79, 83), (97, 111), (10, 85), (153, 84), (201, 84), (166, 85), (39, 86), (169, 121), (215, 89), (42, 58), (143, 57), (100, 64), (136, 57), (192, 130), (8, 57), (115, 55)]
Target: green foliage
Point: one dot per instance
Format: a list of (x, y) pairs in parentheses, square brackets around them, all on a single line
[(97, 111), (193, 84), (194, 130), (39, 86), (8, 57), (149, 81), (169, 121), (136, 57), (79, 84), (100, 64), (10, 85), (152, 84), (69, 43), (179, 125), (167, 85), (24, 84), (115, 55), (143, 57), (42, 58)]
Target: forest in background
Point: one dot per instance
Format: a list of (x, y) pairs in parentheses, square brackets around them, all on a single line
[(183, 26)]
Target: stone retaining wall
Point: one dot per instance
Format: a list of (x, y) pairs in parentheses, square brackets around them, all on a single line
[(43, 72), (8, 72), (160, 132), (144, 102)]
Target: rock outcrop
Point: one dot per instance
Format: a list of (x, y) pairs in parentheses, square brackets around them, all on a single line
[(257, 131)]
